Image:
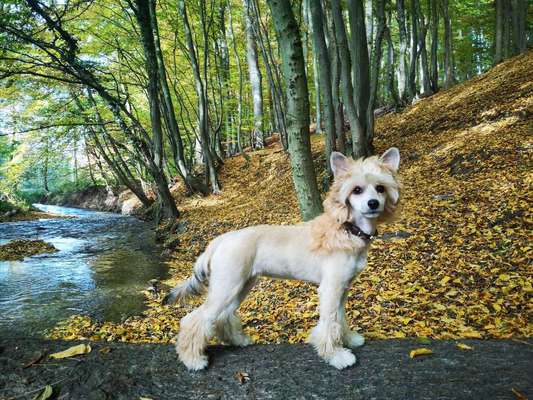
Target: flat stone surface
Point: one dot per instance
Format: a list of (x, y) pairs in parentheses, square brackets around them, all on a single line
[(383, 371)]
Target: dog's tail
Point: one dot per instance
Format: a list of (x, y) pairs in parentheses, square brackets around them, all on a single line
[(195, 285)]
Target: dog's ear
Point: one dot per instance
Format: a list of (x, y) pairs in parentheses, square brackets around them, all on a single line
[(338, 163), (391, 159)]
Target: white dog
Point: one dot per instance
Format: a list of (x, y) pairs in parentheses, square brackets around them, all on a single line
[(330, 251)]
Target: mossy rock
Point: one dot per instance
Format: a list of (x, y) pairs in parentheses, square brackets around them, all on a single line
[(19, 249)]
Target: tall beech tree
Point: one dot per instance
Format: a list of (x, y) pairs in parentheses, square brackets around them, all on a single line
[(290, 44)]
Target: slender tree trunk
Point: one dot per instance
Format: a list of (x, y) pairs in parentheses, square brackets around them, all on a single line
[(402, 56), (369, 23), (448, 63), (376, 62), (424, 67), (203, 122), (335, 89), (498, 42), (434, 46), (359, 148), (520, 12), (411, 83), (290, 45), (255, 77), (239, 100), (390, 84), (169, 114), (361, 70), (325, 79), (142, 12)]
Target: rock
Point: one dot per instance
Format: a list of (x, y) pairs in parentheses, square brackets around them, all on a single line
[(383, 371)]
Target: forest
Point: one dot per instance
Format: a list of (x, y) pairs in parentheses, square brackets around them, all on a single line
[(135, 132), (139, 95)]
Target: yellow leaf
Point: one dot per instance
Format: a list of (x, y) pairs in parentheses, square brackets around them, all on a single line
[(105, 350), (452, 293), (420, 352), (503, 277), (496, 307), (44, 394), (444, 280), (439, 307), (518, 395), (463, 346), (73, 351)]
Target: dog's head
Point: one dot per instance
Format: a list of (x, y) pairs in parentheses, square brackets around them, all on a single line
[(367, 187)]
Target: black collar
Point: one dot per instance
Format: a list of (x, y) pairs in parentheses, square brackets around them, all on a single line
[(356, 231)]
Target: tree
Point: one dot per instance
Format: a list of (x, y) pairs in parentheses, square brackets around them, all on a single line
[(324, 76), (290, 45), (255, 77)]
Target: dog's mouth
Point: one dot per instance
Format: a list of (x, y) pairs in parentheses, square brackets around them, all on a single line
[(372, 213)]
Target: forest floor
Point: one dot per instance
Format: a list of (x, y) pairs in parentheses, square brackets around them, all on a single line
[(453, 265), (492, 369)]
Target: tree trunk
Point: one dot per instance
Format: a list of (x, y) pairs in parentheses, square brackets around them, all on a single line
[(424, 67), (390, 84), (359, 148), (255, 78), (402, 56), (369, 23), (169, 114), (142, 13), (434, 46), (411, 83), (376, 62), (203, 122), (335, 95), (448, 64), (361, 71), (324, 61), (290, 45), (519, 11)]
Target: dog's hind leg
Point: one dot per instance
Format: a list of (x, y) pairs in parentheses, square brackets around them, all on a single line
[(198, 327), (229, 326)]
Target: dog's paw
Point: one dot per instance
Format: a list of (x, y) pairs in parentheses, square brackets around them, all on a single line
[(353, 340), (341, 359), (196, 363)]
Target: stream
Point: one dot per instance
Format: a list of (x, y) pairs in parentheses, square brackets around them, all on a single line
[(104, 262)]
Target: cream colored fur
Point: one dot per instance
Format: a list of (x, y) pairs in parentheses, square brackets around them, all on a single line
[(320, 251)]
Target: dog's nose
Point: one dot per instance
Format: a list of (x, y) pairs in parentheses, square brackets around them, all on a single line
[(373, 204)]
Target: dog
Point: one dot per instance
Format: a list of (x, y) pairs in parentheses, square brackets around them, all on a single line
[(329, 251)]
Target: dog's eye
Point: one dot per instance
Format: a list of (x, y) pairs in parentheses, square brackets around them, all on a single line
[(380, 188), (357, 190)]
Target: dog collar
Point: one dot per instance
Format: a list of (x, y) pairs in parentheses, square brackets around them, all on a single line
[(356, 231)]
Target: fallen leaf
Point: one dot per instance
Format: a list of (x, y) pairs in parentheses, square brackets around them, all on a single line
[(423, 351), (73, 351), (423, 340), (518, 395), (45, 393), (463, 346), (105, 350), (242, 377)]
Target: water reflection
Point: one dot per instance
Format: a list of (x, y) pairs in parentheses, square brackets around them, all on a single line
[(104, 261)]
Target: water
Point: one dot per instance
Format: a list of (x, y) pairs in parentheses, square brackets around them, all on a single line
[(103, 263)]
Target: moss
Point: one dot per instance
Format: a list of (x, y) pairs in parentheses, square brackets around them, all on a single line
[(21, 248)]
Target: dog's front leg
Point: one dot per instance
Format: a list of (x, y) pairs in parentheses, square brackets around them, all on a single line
[(327, 336), (350, 338)]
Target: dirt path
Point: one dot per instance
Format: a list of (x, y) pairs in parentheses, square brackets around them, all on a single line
[(383, 371)]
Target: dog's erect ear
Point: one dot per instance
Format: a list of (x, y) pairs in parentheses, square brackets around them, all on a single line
[(338, 162), (391, 158)]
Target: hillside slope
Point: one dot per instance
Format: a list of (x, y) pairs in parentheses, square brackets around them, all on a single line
[(453, 265)]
